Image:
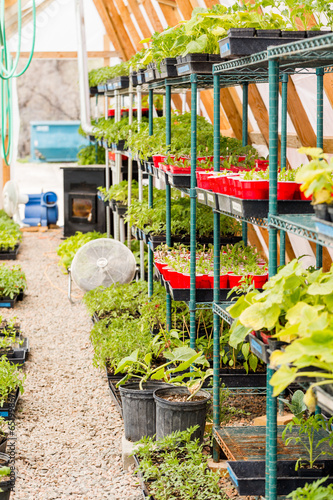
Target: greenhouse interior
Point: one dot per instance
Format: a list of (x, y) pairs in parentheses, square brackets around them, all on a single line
[(166, 238)]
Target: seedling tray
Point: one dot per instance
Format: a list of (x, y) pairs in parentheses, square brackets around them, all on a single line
[(5, 409), (202, 294), (168, 67), (119, 82), (121, 209), (196, 63), (141, 77), (18, 357), (179, 180), (249, 476), (149, 75), (7, 302), (259, 348), (259, 208), (247, 41), (230, 378), (249, 443), (7, 254), (115, 393)]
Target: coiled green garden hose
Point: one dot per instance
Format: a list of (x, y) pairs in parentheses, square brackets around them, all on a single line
[(8, 69)]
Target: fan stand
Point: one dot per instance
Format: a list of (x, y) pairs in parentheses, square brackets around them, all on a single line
[(69, 293)]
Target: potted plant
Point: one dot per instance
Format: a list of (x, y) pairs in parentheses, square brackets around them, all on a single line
[(137, 398)]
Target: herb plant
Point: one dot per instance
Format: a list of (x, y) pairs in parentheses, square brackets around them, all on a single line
[(87, 155), (313, 491), (175, 467), (12, 281), (11, 378)]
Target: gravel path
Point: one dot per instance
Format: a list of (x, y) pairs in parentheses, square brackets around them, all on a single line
[(68, 430)]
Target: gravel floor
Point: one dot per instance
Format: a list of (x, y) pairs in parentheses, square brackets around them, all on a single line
[(68, 430)]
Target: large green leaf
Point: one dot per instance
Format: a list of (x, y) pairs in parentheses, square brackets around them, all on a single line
[(282, 378), (238, 333), (260, 316)]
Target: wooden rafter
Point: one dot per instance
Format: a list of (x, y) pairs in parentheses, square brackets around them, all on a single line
[(153, 16), (135, 9), (299, 117), (110, 29), (128, 23)]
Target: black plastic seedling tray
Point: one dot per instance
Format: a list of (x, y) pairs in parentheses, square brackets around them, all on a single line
[(141, 77), (149, 75), (195, 63), (5, 410), (7, 254), (179, 180), (115, 393), (247, 41), (249, 476), (168, 67), (117, 83), (7, 302)]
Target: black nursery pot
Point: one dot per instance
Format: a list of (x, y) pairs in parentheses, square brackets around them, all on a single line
[(174, 416), (139, 409)]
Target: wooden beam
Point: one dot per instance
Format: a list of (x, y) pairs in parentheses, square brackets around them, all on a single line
[(97, 54), (299, 117), (153, 16), (127, 23), (121, 33), (140, 19), (170, 3), (231, 112), (106, 47), (110, 28), (170, 13), (259, 111), (185, 7)]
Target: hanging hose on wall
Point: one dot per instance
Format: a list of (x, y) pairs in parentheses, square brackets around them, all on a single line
[(8, 69)]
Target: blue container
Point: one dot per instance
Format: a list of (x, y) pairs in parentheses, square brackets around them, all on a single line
[(55, 141), (41, 209)]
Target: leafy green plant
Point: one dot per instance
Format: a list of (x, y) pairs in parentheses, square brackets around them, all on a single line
[(12, 281), (11, 378), (91, 155), (10, 234), (68, 248), (176, 467), (297, 405), (177, 360), (316, 176), (307, 429), (313, 491)]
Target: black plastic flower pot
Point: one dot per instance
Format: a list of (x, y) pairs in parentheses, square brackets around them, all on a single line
[(330, 213), (174, 416), (139, 412), (193, 58), (241, 32), (321, 211)]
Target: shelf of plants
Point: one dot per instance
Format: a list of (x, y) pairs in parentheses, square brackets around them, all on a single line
[(276, 62), (236, 193)]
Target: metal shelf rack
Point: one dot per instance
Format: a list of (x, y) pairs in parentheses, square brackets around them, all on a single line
[(309, 56)]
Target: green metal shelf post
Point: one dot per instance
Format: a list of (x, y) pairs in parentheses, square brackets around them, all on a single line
[(150, 198), (193, 200), (168, 193), (245, 140), (216, 334), (320, 140), (284, 113), (271, 430)]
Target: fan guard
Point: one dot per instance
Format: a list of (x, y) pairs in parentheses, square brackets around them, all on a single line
[(102, 262)]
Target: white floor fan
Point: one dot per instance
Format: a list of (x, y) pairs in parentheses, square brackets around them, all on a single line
[(101, 262)]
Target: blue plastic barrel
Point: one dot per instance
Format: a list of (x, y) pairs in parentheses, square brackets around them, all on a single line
[(41, 209)]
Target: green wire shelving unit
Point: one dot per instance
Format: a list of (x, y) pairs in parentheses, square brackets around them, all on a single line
[(311, 56)]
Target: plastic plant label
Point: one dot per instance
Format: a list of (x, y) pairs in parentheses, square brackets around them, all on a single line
[(224, 48), (183, 69), (236, 206), (211, 198), (201, 197)]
